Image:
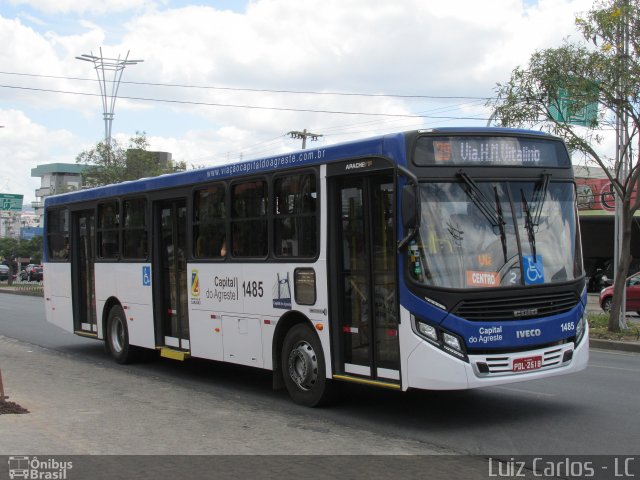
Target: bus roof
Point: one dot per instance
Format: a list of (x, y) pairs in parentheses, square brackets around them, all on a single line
[(391, 146)]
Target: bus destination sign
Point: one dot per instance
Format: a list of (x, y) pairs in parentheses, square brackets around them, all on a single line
[(487, 150)]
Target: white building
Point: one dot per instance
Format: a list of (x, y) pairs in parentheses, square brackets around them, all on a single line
[(55, 178)]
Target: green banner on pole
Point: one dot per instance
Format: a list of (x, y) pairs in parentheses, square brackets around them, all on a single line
[(11, 202), (566, 109)]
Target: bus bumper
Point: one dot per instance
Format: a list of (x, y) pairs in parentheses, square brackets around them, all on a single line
[(430, 368)]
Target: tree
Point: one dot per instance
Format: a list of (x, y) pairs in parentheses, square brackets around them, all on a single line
[(602, 69), (34, 249), (111, 163), (10, 247)]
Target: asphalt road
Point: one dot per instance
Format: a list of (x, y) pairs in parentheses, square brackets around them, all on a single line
[(593, 412)]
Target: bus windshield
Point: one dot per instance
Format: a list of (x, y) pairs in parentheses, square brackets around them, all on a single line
[(496, 234)]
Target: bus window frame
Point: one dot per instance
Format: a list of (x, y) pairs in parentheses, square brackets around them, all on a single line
[(317, 214), (66, 234), (123, 229), (99, 230), (232, 219), (191, 223)]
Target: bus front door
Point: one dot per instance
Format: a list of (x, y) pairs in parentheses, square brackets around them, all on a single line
[(365, 294), (170, 274), (82, 271)]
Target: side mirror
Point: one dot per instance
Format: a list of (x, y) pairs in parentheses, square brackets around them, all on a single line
[(410, 207), (409, 210)]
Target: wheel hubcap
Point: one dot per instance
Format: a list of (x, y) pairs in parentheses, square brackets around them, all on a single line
[(303, 365), (117, 334)]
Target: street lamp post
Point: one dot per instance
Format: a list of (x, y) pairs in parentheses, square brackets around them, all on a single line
[(103, 65)]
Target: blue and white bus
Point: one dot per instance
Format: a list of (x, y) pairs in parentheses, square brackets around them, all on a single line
[(438, 259)]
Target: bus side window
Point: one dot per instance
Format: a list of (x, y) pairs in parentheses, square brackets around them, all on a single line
[(108, 230), (249, 225), (134, 233), (58, 234), (294, 222), (209, 221)]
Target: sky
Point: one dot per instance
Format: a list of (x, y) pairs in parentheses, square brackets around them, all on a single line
[(226, 80)]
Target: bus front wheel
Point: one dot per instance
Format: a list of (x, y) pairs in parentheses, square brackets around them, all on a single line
[(303, 367), (117, 336)]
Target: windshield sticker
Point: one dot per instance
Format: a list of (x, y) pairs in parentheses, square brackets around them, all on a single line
[(482, 279), (485, 260), (533, 269)]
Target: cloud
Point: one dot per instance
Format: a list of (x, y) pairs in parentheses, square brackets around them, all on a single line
[(83, 6), (24, 144), (410, 47)]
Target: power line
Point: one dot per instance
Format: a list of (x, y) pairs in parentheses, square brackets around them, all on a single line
[(304, 135), (253, 107), (262, 90)]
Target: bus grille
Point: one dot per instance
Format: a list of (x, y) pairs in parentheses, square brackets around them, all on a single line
[(517, 308), (502, 364)]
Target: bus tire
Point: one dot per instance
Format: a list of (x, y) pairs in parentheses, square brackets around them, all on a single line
[(117, 336), (303, 367)]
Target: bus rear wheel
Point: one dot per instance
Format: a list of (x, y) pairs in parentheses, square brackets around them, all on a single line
[(117, 336), (303, 367)]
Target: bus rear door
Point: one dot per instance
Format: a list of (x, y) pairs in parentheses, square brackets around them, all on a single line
[(170, 274), (83, 272)]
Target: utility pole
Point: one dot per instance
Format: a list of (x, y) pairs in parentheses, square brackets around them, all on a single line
[(303, 135), (102, 66), (622, 139)]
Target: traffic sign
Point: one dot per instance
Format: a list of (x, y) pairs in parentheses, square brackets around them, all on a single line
[(564, 108), (11, 202)]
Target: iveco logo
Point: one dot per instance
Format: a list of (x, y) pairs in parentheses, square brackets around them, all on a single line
[(534, 332), (527, 312)]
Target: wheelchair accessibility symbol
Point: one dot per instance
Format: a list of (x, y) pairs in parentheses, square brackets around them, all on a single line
[(146, 276), (533, 269)]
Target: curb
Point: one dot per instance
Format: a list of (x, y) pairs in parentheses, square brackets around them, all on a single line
[(614, 345), (33, 292)]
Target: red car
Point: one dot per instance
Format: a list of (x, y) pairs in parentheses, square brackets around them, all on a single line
[(633, 295)]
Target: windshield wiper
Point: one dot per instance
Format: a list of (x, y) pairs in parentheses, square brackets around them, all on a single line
[(503, 236), (481, 201), (529, 224), (493, 213), (539, 196), (533, 220)]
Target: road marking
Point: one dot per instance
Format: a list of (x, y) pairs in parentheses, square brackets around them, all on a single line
[(614, 368), (520, 390), (612, 352)]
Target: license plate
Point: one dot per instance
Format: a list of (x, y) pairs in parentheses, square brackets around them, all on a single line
[(527, 363)]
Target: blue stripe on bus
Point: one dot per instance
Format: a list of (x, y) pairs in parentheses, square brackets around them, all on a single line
[(390, 146)]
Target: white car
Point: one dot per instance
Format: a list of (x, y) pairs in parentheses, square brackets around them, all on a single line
[(4, 272)]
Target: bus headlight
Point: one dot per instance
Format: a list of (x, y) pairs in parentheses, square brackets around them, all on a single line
[(441, 338), (451, 341), (581, 327), (428, 331)]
